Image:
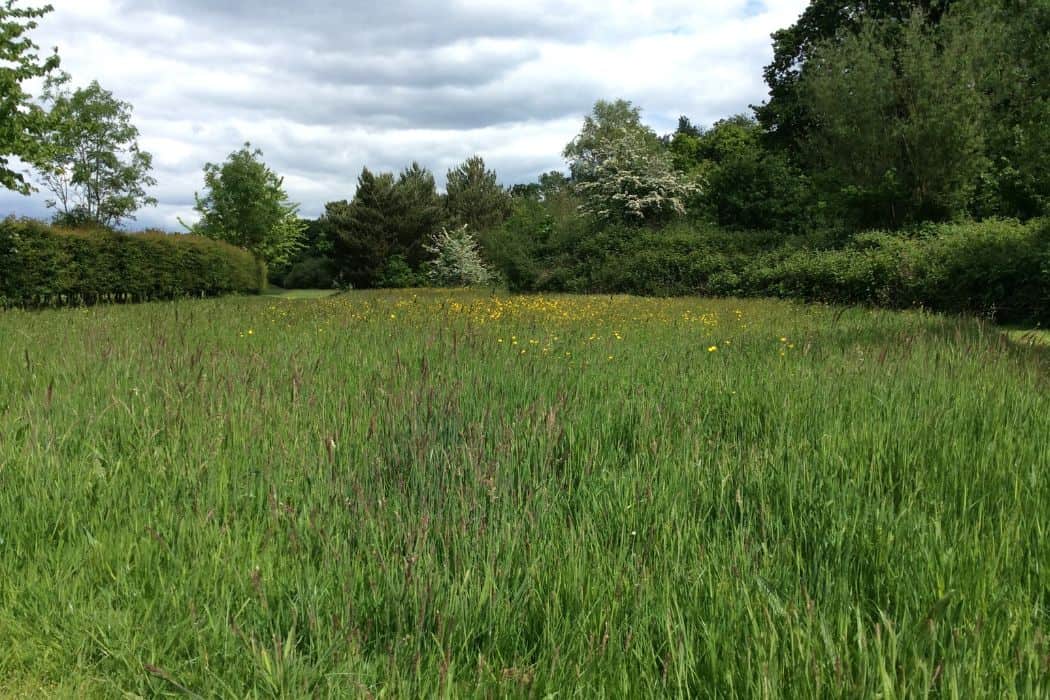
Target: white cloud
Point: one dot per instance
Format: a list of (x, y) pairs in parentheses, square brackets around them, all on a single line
[(325, 86)]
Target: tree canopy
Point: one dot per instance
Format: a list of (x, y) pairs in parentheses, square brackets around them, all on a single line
[(474, 196), (21, 121), (245, 204), (94, 169)]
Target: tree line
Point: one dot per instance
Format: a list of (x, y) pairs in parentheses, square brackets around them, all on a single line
[(882, 114)]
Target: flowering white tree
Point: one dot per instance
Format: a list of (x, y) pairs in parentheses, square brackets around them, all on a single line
[(631, 181), (457, 260)]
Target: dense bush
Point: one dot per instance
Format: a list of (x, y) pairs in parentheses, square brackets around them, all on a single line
[(311, 273), (44, 265), (996, 268), (1000, 269)]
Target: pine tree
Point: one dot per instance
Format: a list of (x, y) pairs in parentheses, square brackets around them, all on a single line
[(475, 198)]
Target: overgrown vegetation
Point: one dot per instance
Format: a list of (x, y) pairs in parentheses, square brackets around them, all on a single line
[(884, 119), (997, 269), (453, 494)]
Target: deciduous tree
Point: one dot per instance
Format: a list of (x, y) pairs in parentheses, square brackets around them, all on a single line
[(897, 119), (93, 167), (21, 121), (245, 204)]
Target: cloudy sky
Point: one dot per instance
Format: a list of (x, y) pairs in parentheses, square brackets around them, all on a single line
[(327, 86)]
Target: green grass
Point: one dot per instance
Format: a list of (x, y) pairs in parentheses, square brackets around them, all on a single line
[(300, 293), (1030, 337), (449, 494)]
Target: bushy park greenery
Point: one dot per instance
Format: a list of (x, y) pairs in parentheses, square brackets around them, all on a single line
[(999, 269), (43, 265), (445, 494), (906, 118), (245, 204)]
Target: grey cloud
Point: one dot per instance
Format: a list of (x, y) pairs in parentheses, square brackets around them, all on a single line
[(325, 86)]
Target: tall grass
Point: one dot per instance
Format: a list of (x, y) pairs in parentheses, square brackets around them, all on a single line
[(446, 494)]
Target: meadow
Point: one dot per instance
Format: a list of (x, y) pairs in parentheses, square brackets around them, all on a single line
[(453, 493)]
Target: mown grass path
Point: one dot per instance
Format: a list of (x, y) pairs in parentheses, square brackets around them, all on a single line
[(411, 494)]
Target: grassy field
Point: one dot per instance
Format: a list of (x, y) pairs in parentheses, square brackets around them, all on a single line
[(445, 494)]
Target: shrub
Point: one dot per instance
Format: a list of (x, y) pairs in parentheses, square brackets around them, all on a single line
[(999, 269), (457, 260), (396, 273), (45, 265), (993, 268), (311, 273)]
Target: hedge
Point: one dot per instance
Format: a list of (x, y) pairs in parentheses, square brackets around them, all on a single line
[(998, 269), (42, 265)]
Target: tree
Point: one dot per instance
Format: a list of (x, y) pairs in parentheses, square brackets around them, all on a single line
[(607, 123), (1015, 70), (622, 172), (421, 213), (245, 204), (95, 171), (786, 116), (380, 235), (474, 196), (748, 185), (631, 183), (21, 121), (897, 119), (364, 228), (457, 260)]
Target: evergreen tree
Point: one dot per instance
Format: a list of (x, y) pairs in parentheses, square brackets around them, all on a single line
[(475, 198), (364, 229), (421, 214)]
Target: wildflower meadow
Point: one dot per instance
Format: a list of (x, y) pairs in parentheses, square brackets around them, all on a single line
[(459, 493)]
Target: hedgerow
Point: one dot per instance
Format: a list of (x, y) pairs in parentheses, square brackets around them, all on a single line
[(43, 265), (998, 269)]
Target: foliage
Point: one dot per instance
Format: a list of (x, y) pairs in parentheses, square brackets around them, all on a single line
[(364, 229), (421, 213), (245, 204), (622, 173), (310, 273), (998, 269), (456, 260), (787, 117), (1015, 63), (380, 235), (42, 265), (529, 250), (95, 171), (396, 273), (21, 121), (607, 124), (372, 495), (314, 244), (897, 120), (748, 185), (474, 197), (632, 184)]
